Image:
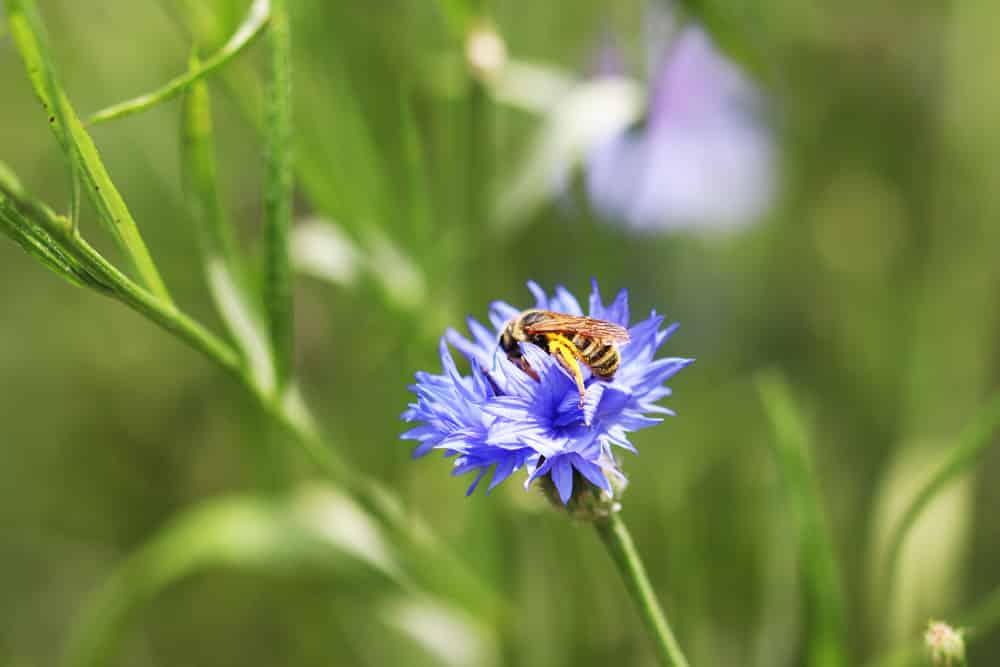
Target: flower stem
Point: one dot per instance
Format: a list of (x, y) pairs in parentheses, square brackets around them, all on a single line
[(619, 543), (253, 25), (278, 193)]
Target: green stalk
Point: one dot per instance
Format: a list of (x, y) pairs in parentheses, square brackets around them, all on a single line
[(254, 23), (62, 240), (224, 271), (154, 308), (619, 543), (821, 584), (200, 173), (236, 304), (278, 197), (39, 243), (28, 32)]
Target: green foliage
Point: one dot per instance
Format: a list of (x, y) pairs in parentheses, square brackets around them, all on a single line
[(971, 444), (278, 195), (822, 590), (254, 23), (78, 146), (133, 533)]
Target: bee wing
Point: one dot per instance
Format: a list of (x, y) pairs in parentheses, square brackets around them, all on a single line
[(600, 330)]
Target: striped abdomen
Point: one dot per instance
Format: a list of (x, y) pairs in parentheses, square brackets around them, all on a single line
[(602, 358)]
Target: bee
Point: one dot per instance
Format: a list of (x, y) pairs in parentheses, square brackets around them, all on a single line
[(572, 340)]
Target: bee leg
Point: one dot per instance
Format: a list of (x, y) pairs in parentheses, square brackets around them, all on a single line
[(522, 363), (566, 356)]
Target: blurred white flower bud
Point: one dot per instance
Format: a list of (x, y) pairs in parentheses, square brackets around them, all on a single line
[(946, 644), (485, 51)]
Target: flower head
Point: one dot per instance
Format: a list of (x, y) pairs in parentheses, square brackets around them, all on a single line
[(500, 417), (946, 644)]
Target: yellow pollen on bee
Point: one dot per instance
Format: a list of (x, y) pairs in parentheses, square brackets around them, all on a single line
[(568, 355)]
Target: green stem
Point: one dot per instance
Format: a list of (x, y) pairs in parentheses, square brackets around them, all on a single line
[(29, 36), (278, 197), (235, 301), (619, 544), (165, 314), (253, 25), (822, 590)]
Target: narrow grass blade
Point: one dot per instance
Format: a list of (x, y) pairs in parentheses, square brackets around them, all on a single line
[(820, 574), (278, 196), (254, 23), (971, 444), (29, 36), (223, 267)]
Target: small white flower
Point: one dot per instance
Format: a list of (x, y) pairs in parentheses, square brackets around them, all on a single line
[(946, 644), (485, 51)]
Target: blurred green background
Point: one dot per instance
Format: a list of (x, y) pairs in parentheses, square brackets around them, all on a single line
[(871, 284)]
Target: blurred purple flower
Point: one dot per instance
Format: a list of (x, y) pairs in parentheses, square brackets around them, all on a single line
[(505, 420), (702, 157)]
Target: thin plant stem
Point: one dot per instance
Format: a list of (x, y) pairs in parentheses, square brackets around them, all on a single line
[(619, 543), (254, 23), (278, 197), (821, 586), (37, 242), (74, 200), (238, 305)]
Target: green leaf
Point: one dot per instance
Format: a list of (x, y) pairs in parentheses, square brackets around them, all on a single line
[(317, 529), (254, 23), (972, 442), (78, 146), (453, 638), (817, 561), (278, 190)]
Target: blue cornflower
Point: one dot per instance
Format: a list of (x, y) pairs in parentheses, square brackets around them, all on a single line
[(499, 417)]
